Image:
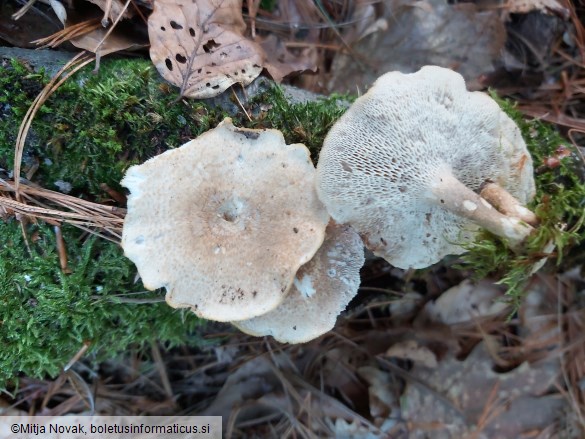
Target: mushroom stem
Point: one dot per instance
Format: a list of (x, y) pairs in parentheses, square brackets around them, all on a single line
[(505, 202), (454, 196)]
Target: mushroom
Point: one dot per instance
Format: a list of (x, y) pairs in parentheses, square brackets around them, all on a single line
[(224, 222), (322, 289), (505, 203), (403, 165)]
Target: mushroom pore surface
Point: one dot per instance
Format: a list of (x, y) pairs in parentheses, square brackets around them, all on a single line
[(382, 166), (224, 222)]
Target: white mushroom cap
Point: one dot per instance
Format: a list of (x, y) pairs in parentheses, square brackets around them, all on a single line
[(225, 221), (411, 144), (322, 289)]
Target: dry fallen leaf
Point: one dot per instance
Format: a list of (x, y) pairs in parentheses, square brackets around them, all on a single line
[(200, 46), (411, 350), (114, 42), (84, 30), (249, 382), (283, 62), (480, 401), (465, 302), (545, 6), (60, 11), (113, 8), (383, 391), (458, 36)]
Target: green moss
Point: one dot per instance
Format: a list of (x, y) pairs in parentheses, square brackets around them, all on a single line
[(46, 315), (89, 132), (268, 5), (306, 123), (559, 205), (96, 126), (18, 89)]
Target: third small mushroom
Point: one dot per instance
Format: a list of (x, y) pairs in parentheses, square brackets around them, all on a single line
[(406, 163)]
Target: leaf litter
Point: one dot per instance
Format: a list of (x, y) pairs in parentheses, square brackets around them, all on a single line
[(200, 46), (513, 364), (458, 36)]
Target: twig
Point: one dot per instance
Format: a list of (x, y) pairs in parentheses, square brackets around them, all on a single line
[(107, 9), (240, 103), (160, 367), (61, 250), (77, 356), (18, 14), (70, 32), (408, 377), (108, 220), (564, 366), (99, 45)]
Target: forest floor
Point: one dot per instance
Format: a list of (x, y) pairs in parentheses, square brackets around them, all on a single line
[(439, 352)]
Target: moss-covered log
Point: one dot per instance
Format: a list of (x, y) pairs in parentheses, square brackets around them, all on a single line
[(82, 140), (97, 125)]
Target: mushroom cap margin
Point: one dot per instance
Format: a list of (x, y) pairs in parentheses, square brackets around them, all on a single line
[(224, 222), (334, 275)]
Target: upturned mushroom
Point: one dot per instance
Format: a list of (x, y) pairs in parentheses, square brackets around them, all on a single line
[(224, 222), (322, 289), (404, 164)]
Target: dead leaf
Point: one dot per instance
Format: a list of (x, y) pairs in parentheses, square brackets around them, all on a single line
[(7, 409), (383, 391), (464, 302), (545, 6), (115, 42), (20, 33), (113, 8), (367, 21), (248, 383), (427, 32), (403, 308), (411, 350), (338, 371), (226, 354), (200, 46), (60, 11), (493, 404), (538, 314), (84, 31), (346, 429), (283, 62)]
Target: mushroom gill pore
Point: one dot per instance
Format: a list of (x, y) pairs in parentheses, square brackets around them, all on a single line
[(405, 163)]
